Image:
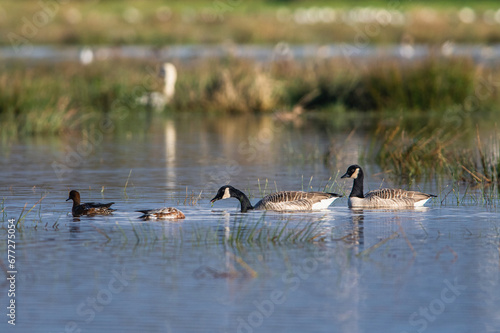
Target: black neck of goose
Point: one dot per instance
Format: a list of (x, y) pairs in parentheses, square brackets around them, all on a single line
[(244, 201), (357, 186)]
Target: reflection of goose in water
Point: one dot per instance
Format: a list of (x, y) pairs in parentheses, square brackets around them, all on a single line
[(280, 201), (158, 100), (170, 153), (357, 235), (383, 198)]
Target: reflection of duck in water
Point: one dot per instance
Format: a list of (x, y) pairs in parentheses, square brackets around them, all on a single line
[(383, 198), (280, 201), (90, 208), (161, 214), (158, 100)]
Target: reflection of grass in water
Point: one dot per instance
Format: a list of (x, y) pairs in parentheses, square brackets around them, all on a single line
[(260, 233), (240, 234)]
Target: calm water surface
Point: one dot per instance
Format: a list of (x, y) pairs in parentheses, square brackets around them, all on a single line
[(433, 270)]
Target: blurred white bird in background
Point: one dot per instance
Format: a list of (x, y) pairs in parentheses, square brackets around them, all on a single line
[(157, 100)]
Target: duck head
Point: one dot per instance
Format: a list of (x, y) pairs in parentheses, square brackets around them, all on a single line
[(74, 195)]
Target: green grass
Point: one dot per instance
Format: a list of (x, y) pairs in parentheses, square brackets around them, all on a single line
[(68, 97), (419, 113), (158, 23), (260, 233), (436, 152)]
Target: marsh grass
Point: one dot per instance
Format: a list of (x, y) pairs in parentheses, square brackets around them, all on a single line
[(4, 214), (66, 97), (158, 23), (192, 198), (23, 214), (260, 233), (439, 152), (240, 234), (429, 84)]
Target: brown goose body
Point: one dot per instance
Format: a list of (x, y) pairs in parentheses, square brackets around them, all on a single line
[(295, 200), (89, 208), (383, 198)]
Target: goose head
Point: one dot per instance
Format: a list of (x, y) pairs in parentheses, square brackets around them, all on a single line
[(224, 192), (354, 171)]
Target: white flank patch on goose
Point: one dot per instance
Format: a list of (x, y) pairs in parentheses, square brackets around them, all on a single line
[(354, 202), (421, 202), (323, 204)]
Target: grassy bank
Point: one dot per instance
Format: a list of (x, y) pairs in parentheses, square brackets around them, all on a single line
[(177, 22), (427, 153), (420, 114), (54, 98)]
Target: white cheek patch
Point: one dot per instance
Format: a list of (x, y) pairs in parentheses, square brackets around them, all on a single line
[(226, 194), (355, 174)]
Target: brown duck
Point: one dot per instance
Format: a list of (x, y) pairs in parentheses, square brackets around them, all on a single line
[(90, 208), (161, 214)]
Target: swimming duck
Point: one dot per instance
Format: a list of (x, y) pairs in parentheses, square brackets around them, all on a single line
[(279, 201), (90, 208), (161, 214), (383, 198)]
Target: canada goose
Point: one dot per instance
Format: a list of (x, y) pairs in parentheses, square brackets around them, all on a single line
[(158, 100), (90, 208), (161, 214), (383, 198), (279, 201)]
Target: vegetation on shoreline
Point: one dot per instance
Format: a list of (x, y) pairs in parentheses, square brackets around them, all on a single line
[(68, 97), (424, 153), (179, 22), (52, 98)]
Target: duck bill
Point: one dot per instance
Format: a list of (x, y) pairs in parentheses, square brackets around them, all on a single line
[(345, 176), (68, 199), (214, 200)]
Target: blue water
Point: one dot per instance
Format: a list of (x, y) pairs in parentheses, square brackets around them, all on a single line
[(434, 269), (480, 53)]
